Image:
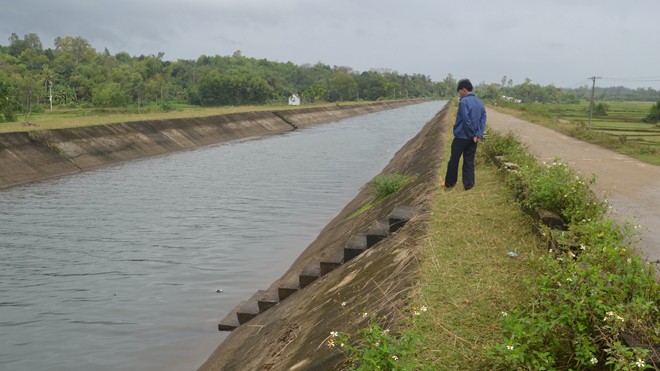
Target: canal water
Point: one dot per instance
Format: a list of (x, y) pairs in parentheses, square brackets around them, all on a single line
[(132, 266)]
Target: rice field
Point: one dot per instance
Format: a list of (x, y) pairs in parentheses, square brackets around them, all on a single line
[(620, 129)]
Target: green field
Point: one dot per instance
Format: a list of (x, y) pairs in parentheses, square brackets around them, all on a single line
[(621, 129)]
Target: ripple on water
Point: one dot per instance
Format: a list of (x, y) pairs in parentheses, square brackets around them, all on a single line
[(118, 267)]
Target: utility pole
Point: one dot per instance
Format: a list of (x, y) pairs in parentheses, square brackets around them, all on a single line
[(591, 102)]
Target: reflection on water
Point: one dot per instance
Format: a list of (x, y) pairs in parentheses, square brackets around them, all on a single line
[(118, 268)]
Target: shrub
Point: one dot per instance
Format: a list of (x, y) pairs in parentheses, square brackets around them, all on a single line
[(601, 109), (587, 300), (559, 188), (654, 114)]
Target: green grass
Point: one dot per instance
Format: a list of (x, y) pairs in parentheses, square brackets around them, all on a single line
[(382, 187), (487, 310), (467, 278)]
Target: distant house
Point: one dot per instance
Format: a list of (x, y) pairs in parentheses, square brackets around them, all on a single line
[(511, 99), (294, 100)]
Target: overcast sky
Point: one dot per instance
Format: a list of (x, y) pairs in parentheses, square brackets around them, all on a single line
[(560, 42)]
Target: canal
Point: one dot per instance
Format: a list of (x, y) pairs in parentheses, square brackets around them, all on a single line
[(131, 266)]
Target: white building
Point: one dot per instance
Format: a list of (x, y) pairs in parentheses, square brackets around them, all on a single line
[(294, 100)]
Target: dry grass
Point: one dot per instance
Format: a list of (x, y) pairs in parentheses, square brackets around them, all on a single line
[(467, 278)]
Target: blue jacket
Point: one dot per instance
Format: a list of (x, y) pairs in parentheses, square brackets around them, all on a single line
[(470, 118)]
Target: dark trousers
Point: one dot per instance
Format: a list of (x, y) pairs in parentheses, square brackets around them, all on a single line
[(466, 148)]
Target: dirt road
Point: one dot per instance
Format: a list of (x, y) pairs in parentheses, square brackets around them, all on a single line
[(630, 186)]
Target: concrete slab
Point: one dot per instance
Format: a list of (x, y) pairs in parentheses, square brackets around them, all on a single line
[(355, 247), (309, 274), (399, 216), (377, 232)]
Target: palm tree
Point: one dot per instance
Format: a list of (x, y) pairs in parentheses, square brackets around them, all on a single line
[(49, 77)]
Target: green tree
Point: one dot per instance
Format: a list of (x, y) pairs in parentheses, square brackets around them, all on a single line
[(217, 89), (600, 109), (64, 94), (48, 77), (18, 46), (490, 91), (8, 104), (373, 85), (316, 93), (110, 95), (654, 114), (77, 48), (447, 87), (344, 86)]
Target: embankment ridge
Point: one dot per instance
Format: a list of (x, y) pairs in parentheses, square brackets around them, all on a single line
[(40, 154), (358, 264)]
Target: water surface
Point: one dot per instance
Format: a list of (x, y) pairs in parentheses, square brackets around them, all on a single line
[(118, 268)]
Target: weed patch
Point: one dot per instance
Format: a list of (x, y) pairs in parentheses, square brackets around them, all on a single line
[(382, 187), (587, 302)]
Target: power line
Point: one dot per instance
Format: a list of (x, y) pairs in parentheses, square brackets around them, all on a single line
[(634, 79)]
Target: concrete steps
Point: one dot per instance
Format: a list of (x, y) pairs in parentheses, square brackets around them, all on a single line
[(332, 258)]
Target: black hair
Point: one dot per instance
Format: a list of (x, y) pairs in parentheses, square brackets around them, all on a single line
[(464, 83)]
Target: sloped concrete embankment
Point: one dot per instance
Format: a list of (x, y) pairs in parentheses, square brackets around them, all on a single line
[(42, 154), (365, 261)]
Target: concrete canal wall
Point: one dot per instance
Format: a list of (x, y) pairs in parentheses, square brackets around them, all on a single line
[(40, 154), (361, 262)]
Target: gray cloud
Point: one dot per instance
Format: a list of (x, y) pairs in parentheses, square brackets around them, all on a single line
[(560, 42)]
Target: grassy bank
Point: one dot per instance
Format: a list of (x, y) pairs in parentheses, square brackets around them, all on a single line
[(70, 118), (492, 295), (587, 303), (481, 252), (621, 129), (79, 117)]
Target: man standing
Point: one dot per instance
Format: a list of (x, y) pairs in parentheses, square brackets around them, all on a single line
[(468, 131)]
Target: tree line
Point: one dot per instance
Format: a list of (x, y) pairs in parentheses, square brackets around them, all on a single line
[(74, 74), (528, 92)]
